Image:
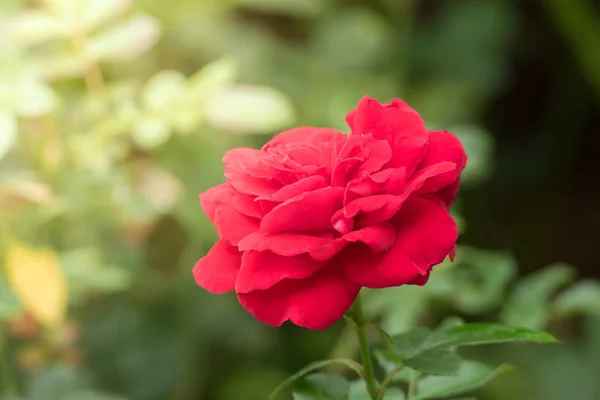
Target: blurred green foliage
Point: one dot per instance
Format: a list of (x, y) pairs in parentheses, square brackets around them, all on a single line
[(114, 115)]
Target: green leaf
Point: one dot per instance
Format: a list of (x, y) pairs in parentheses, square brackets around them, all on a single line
[(410, 343), (321, 386), (353, 365), (440, 361), (8, 132), (581, 298), (358, 391), (410, 350), (471, 376), (92, 395), (449, 324), (393, 394), (388, 362), (250, 109), (528, 306), (482, 333), (127, 40), (432, 352)]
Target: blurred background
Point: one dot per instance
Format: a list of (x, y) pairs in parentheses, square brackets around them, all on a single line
[(114, 115)]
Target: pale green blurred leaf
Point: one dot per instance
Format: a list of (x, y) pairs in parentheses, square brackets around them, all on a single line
[(35, 26), (213, 76), (163, 89), (69, 11), (87, 274), (10, 306), (471, 376), (581, 298), (352, 38), (386, 303), (250, 109), (33, 98), (528, 305), (185, 119), (150, 133), (291, 7), (98, 12), (481, 278), (56, 382), (57, 66), (8, 132), (91, 395), (479, 146), (127, 40)]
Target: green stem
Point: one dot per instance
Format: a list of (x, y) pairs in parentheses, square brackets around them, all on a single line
[(388, 379), (411, 389), (369, 374)]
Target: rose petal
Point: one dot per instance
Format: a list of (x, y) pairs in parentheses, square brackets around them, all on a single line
[(420, 280), (329, 250), (253, 162), (390, 209), (284, 244), (443, 147), (397, 123), (365, 205), (247, 205), (379, 153), (251, 171), (233, 226), (343, 221), (309, 212), (215, 197), (448, 194), (250, 185), (304, 134), (388, 181), (313, 303), (217, 271), (309, 184), (262, 269), (425, 235), (379, 238)]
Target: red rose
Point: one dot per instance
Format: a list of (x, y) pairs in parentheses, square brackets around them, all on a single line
[(316, 214)]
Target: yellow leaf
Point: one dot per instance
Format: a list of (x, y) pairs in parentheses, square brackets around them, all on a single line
[(36, 278)]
